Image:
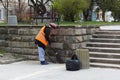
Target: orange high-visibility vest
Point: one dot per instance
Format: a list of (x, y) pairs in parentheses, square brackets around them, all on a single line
[(41, 36)]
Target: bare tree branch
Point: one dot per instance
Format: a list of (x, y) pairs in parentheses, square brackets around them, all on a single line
[(47, 1), (4, 4)]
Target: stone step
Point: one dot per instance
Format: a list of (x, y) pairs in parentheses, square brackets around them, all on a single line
[(105, 60), (112, 40), (108, 32), (100, 44), (110, 27), (106, 36), (105, 65), (103, 49), (104, 55)]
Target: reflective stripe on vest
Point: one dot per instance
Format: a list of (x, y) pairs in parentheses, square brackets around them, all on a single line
[(41, 36)]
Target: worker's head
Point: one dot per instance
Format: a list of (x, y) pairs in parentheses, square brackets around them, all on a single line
[(53, 25)]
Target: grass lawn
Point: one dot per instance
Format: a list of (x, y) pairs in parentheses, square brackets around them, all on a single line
[(90, 23)]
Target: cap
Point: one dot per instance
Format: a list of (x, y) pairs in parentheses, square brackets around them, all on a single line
[(53, 25)]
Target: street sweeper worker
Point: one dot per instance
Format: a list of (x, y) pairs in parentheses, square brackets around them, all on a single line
[(42, 40)]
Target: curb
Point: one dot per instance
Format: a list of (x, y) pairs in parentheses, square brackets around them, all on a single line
[(10, 61)]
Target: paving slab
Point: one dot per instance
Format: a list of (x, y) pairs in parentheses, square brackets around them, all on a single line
[(32, 70)]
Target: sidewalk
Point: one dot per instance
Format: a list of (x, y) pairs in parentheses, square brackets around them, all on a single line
[(32, 70)]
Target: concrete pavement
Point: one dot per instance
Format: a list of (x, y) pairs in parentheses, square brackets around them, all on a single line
[(27, 70), (32, 70)]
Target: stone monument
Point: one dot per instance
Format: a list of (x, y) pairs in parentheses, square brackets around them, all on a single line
[(12, 20)]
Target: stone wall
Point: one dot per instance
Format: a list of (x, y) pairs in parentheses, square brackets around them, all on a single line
[(20, 40)]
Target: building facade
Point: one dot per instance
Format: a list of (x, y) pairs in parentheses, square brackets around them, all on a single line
[(2, 13)]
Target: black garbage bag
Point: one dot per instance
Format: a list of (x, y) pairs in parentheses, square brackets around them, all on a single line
[(73, 64)]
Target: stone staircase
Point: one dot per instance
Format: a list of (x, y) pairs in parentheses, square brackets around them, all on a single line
[(104, 49)]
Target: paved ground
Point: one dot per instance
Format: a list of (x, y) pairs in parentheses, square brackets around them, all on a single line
[(32, 70)]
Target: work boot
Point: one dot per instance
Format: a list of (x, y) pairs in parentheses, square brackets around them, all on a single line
[(43, 63)]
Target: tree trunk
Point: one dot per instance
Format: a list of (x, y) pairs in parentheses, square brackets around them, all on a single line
[(86, 15), (103, 15)]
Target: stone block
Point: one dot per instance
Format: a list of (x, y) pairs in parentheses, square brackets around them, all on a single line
[(85, 38), (66, 31), (18, 44), (83, 44), (23, 51), (65, 52), (89, 36), (78, 31), (34, 31), (31, 57), (12, 31), (23, 31), (58, 38), (69, 39), (93, 30), (2, 43), (83, 31), (76, 45), (57, 45), (72, 45), (3, 37), (32, 45), (29, 38), (88, 31), (79, 38), (15, 38), (3, 31), (29, 51)]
